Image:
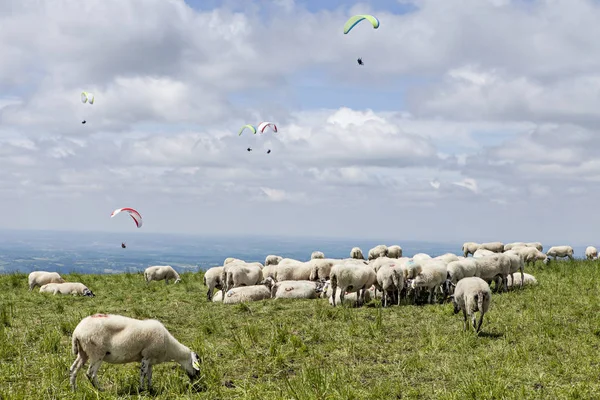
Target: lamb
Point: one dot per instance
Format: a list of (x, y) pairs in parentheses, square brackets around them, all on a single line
[(212, 280), (119, 340), (591, 253), (321, 268), (493, 267), (378, 251), (40, 278), (390, 278), (528, 279), (470, 248), (496, 247), (471, 295), (244, 294), (242, 275), (394, 251), (352, 278), (460, 269), (160, 272), (516, 264), (272, 260), (67, 288), (317, 254), (357, 253), (482, 253), (560, 251), (296, 290), (432, 276)]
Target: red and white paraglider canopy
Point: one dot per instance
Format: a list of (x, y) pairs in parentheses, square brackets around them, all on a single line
[(137, 217)]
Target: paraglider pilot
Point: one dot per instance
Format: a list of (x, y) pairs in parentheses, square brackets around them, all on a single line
[(249, 149), (360, 61), (123, 245)]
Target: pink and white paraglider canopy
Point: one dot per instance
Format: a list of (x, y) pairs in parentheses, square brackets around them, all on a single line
[(133, 213)]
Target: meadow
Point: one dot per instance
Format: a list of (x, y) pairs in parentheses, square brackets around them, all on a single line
[(538, 342)]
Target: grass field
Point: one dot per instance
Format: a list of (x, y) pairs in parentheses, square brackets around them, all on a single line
[(539, 342)]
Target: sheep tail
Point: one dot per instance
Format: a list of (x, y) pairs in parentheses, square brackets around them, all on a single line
[(75, 345), (480, 295)]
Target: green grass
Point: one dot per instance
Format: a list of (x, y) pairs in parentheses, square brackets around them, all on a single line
[(539, 342)]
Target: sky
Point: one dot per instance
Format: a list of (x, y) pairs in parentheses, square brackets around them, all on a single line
[(469, 120)]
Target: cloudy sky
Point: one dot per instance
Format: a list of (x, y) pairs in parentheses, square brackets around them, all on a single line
[(470, 120)]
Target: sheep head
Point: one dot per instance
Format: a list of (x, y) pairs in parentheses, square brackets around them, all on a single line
[(192, 366)]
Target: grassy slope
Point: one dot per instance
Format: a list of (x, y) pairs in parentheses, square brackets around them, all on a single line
[(540, 342)]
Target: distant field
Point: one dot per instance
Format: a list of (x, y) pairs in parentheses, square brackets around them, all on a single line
[(540, 342)]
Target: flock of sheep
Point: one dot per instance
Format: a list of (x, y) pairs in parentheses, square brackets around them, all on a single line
[(385, 274)]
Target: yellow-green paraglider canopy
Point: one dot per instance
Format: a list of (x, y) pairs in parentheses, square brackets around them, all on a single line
[(352, 21)]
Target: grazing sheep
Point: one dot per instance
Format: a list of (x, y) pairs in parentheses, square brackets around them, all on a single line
[(560, 251), (496, 247), (421, 257), (119, 340), (357, 253), (530, 254), (517, 263), (509, 246), (243, 294), (482, 253), (40, 278), (272, 260), (242, 275), (432, 276), (296, 290), (160, 272), (317, 254), (471, 295), (293, 272), (352, 278), (394, 251), (321, 268), (591, 253), (537, 245), (212, 280), (390, 281), (67, 288), (528, 279), (460, 269), (470, 248), (378, 251), (493, 267)]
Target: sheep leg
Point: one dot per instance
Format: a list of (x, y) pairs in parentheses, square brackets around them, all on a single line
[(431, 291), (522, 278), (209, 294), (385, 296), (334, 289), (92, 373), (144, 373), (474, 321), (465, 319), (149, 376), (79, 362), (480, 321)]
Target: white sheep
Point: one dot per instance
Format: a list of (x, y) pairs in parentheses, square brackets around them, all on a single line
[(269, 270), (537, 245), (349, 298), (591, 253), (530, 254), (528, 279), (119, 340), (40, 278), (296, 290), (496, 247), (560, 251), (460, 269), (243, 294), (517, 263), (242, 275), (378, 251), (293, 272), (236, 264), (160, 272), (67, 288), (218, 297), (390, 279), (470, 248), (285, 261), (394, 251), (212, 280), (494, 267), (317, 254), (433, 274), (447, 258), (509, 246), (471, 295), (231, 259), (357, 253), (421, 257), (272, 260), (352, 278), (379, 262), (321, 268), (482, 253)]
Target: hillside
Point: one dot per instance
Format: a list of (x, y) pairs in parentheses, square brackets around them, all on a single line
[(539, 342)]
